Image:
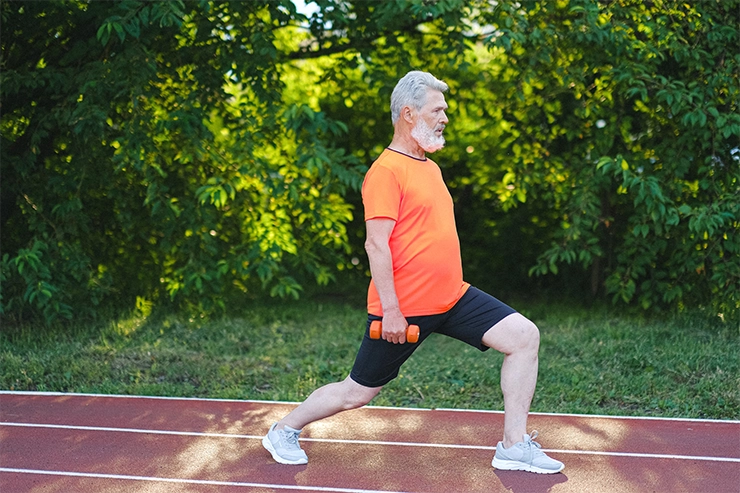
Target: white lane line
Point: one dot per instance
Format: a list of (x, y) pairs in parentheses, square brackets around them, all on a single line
[(190, 481), (559, 451), (596, 416), (416, 409), (366, 442), (133, 430), (645, 455)]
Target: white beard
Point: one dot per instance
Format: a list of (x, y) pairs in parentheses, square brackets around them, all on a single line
[(424, 135)]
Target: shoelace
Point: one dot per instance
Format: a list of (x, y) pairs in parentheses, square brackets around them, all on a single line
[(531, 441), (290, 438)]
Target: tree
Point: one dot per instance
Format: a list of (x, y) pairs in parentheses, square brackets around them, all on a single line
[(188, 151), (624, 117), (147, 151)]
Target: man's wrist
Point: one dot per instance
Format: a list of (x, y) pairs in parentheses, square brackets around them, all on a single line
[(392, 310)]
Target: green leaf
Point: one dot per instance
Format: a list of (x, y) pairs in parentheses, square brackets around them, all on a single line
[(119, 30)]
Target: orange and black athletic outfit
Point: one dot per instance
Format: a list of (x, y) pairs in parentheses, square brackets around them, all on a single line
[(427, 267)]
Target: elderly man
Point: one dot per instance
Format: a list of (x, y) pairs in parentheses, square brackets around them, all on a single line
[(417, 278)]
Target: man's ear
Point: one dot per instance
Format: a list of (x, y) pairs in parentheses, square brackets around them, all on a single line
[(408, 114)]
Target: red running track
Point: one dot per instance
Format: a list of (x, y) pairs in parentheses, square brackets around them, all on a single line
[(72, 443)]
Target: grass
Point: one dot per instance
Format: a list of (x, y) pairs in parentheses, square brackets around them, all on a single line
[(591, 361)]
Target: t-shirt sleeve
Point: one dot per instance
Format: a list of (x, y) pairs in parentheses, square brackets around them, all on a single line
[(381, 194)]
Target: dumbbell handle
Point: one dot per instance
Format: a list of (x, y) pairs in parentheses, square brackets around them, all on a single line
[(376, 329)]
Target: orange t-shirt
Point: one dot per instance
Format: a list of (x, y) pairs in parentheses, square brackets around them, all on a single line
[(427, 267)]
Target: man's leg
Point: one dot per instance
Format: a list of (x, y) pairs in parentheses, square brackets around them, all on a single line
[(282, 438), (327, 401), (377, 363), (519, 340)]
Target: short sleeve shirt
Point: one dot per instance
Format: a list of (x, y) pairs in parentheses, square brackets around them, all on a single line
[(425, 248)]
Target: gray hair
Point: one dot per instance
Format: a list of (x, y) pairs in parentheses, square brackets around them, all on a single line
[(411, 90)]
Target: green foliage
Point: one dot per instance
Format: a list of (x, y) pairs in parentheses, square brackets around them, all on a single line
[(146, 152), (196, 152), (30, 266), (625, 117)]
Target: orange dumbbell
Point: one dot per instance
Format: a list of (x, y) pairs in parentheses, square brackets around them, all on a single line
[(376, 328)]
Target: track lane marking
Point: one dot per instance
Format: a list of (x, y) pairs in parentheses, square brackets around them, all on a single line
[(206, 482), (364, 442), (415, 409)]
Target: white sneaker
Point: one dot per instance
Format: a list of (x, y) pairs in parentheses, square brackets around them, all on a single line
[(283, 445), (525, 456)]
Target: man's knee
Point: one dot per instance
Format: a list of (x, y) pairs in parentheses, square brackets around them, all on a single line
[(513, 334), (356, 395), (530, 333)]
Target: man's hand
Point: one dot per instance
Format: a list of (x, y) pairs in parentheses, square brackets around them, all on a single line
[(394, 327)]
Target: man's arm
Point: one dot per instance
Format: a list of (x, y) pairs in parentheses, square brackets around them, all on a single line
[(381, 268)]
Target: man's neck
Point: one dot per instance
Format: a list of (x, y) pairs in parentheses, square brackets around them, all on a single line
[(407, 145)]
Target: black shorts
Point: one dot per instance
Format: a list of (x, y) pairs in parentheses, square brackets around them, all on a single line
[(378, 361)]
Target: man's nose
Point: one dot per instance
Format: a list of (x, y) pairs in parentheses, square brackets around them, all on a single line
[(444, 119)]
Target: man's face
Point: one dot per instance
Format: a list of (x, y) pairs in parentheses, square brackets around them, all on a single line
[(431, 122)]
